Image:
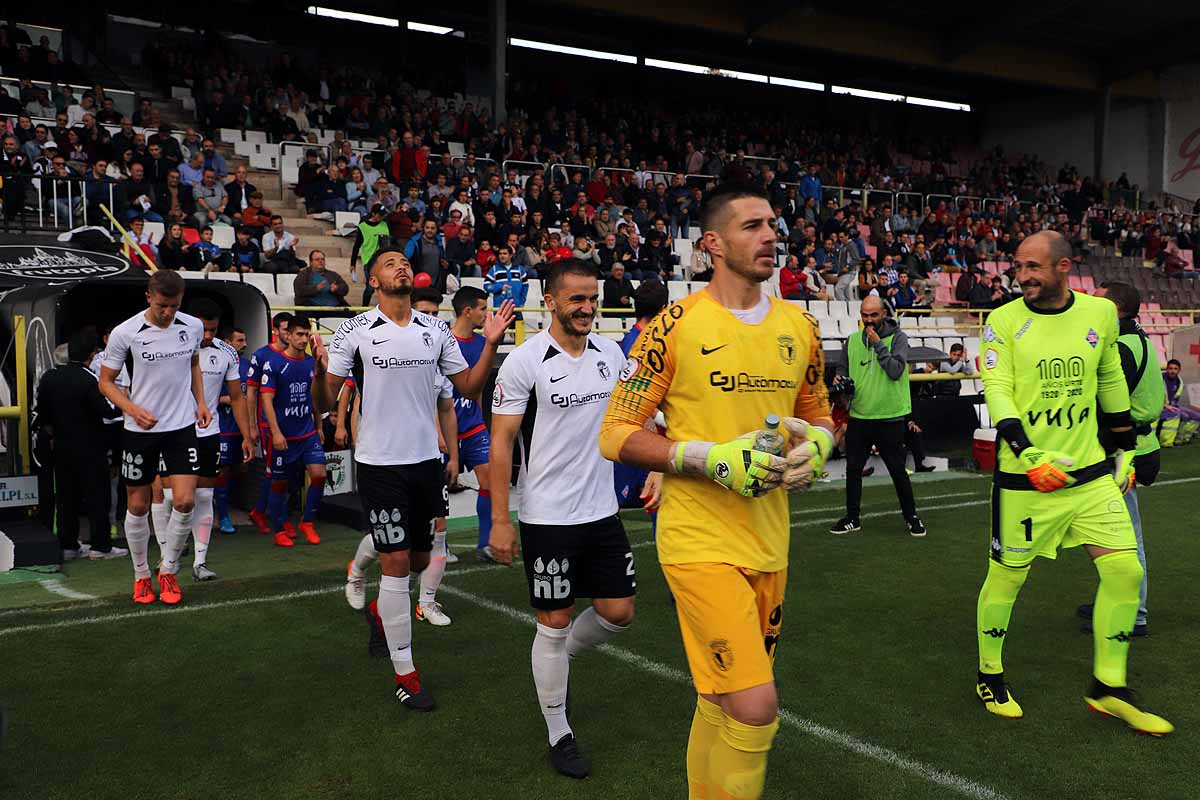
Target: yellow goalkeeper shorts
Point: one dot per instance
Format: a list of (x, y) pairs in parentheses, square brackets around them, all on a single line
[(730, 618)]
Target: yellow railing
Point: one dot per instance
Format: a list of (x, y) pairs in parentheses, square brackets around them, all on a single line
[(128, 239), (20, 411)]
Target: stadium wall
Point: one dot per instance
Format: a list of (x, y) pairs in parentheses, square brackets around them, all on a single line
[(1061, 128)]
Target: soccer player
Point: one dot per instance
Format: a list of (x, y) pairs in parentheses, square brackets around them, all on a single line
[(232, 437), (294, 425), (574, 543), (259, 361), (649, 299), (159, 347), (395, 355), (1147, 397), (717, 363), (219, 370), (474, 442), (1047, 359)]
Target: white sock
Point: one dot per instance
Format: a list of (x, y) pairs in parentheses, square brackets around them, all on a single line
[(137, 534), (179, 529), (431, 576), (160, 513), (364, 557), (589, 630), (550, 668), (202, 522), (395, 610)]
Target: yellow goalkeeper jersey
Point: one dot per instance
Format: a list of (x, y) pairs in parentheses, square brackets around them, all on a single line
[(715, 377)]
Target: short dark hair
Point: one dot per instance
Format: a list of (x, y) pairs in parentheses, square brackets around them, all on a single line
[(713, 212), (427, 294), (233, 330), (956, 347), (138, 218), (299, 322), (467, 297), (282, 318), (1175, 361), (276, 217), (568, 266), (1126, 297), (205, 309), (81, 347), (165, 282), (649, 298)]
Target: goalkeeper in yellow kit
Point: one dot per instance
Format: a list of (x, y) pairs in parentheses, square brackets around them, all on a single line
[(717, 363), (1047, 358)]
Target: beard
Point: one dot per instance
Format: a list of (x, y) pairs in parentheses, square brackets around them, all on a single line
[(568, 322), (400, 289)]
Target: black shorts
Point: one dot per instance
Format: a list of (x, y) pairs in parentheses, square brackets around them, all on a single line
[(563, 562), (210, 455), (400, 503), (176, 452)]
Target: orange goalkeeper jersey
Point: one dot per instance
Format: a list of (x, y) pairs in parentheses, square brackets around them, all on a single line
[(715, 377)]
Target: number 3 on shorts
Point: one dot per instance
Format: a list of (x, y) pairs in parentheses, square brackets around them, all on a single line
[(193, 456)]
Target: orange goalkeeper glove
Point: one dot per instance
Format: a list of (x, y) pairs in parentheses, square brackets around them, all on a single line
[(1045, 468)]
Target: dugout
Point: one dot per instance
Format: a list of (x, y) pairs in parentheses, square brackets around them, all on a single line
[(59, 287)]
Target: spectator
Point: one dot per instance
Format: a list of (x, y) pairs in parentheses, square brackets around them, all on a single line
[(555, 250), (844, 274), (317, 286), (146, 251), (810, 184), (306, 179), (920, 269), (960, 363), (76, 112), (155, 165), (138, 196), (634, 257), (888, 276), (485, 256), (618, 293), (206, 254), (584, 251), (168, 145), (329, 195), (462, 204), (460, 253), (211, 201), (371, 234), (1177, 407), (245, 254), (192, 173), (173, 251), (792, 280), (902, 295), (868, 281), (426, 252), (279, 247), (239, 190), (506, 281), (14, 167), (660, 262), (256, 216), (99, 189), (214, 160), (603, 225), (175, 200), (701, 261)]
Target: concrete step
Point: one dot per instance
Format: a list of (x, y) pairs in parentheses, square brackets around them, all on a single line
[(332, 246)]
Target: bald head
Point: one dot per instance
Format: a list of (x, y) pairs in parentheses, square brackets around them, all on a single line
[(873, 304), (1043, 261), (873, 312)]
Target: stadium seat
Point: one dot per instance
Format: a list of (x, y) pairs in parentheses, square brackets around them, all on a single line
[(908, 323), (264, 161), (934, 341), (677, 290), (839, 309), (262, 281), (853, 307), (818, 308), (230, 135), (476, 282)]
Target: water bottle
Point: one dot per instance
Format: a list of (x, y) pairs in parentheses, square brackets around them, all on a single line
[(770, 440)]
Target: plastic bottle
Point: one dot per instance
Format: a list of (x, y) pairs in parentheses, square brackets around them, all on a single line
[(770, 440)]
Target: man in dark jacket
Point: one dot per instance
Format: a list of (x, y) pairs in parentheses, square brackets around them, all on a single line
[(71, 410), (618, 292)]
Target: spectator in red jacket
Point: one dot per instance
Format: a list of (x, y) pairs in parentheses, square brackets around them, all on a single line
[(793, 283)]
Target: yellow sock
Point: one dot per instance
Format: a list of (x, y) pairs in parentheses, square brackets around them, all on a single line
[(738, 762), (707, 723)]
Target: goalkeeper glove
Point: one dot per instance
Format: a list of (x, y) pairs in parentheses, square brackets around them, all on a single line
[(1124, 474), (736, 465), (1045, 468), (809, 449)]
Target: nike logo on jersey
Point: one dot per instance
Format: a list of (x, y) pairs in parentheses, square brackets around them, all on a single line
[(705, 351), (556, 380), (866, 363), (379, 341)]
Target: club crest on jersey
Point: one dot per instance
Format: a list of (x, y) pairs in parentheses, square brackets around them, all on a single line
[(604, 370), (787, 349), (1093, 338), (427, 338), (212, 359), (498, 396), (722, 654), (183, 336)]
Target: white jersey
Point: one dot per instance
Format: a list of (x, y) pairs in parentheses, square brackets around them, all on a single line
[(122, 379), (218, 364), (394, 368), (564, 480), (159, 363)]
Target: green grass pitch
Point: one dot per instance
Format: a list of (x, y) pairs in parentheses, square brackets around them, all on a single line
[(259, 685)]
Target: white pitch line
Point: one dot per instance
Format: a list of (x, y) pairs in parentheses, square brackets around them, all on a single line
[(827, 509), (949, 780), (55, 586)]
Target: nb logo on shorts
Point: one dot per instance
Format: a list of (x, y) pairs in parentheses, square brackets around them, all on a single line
[(384, 527), (131, 469), (548, 583)]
